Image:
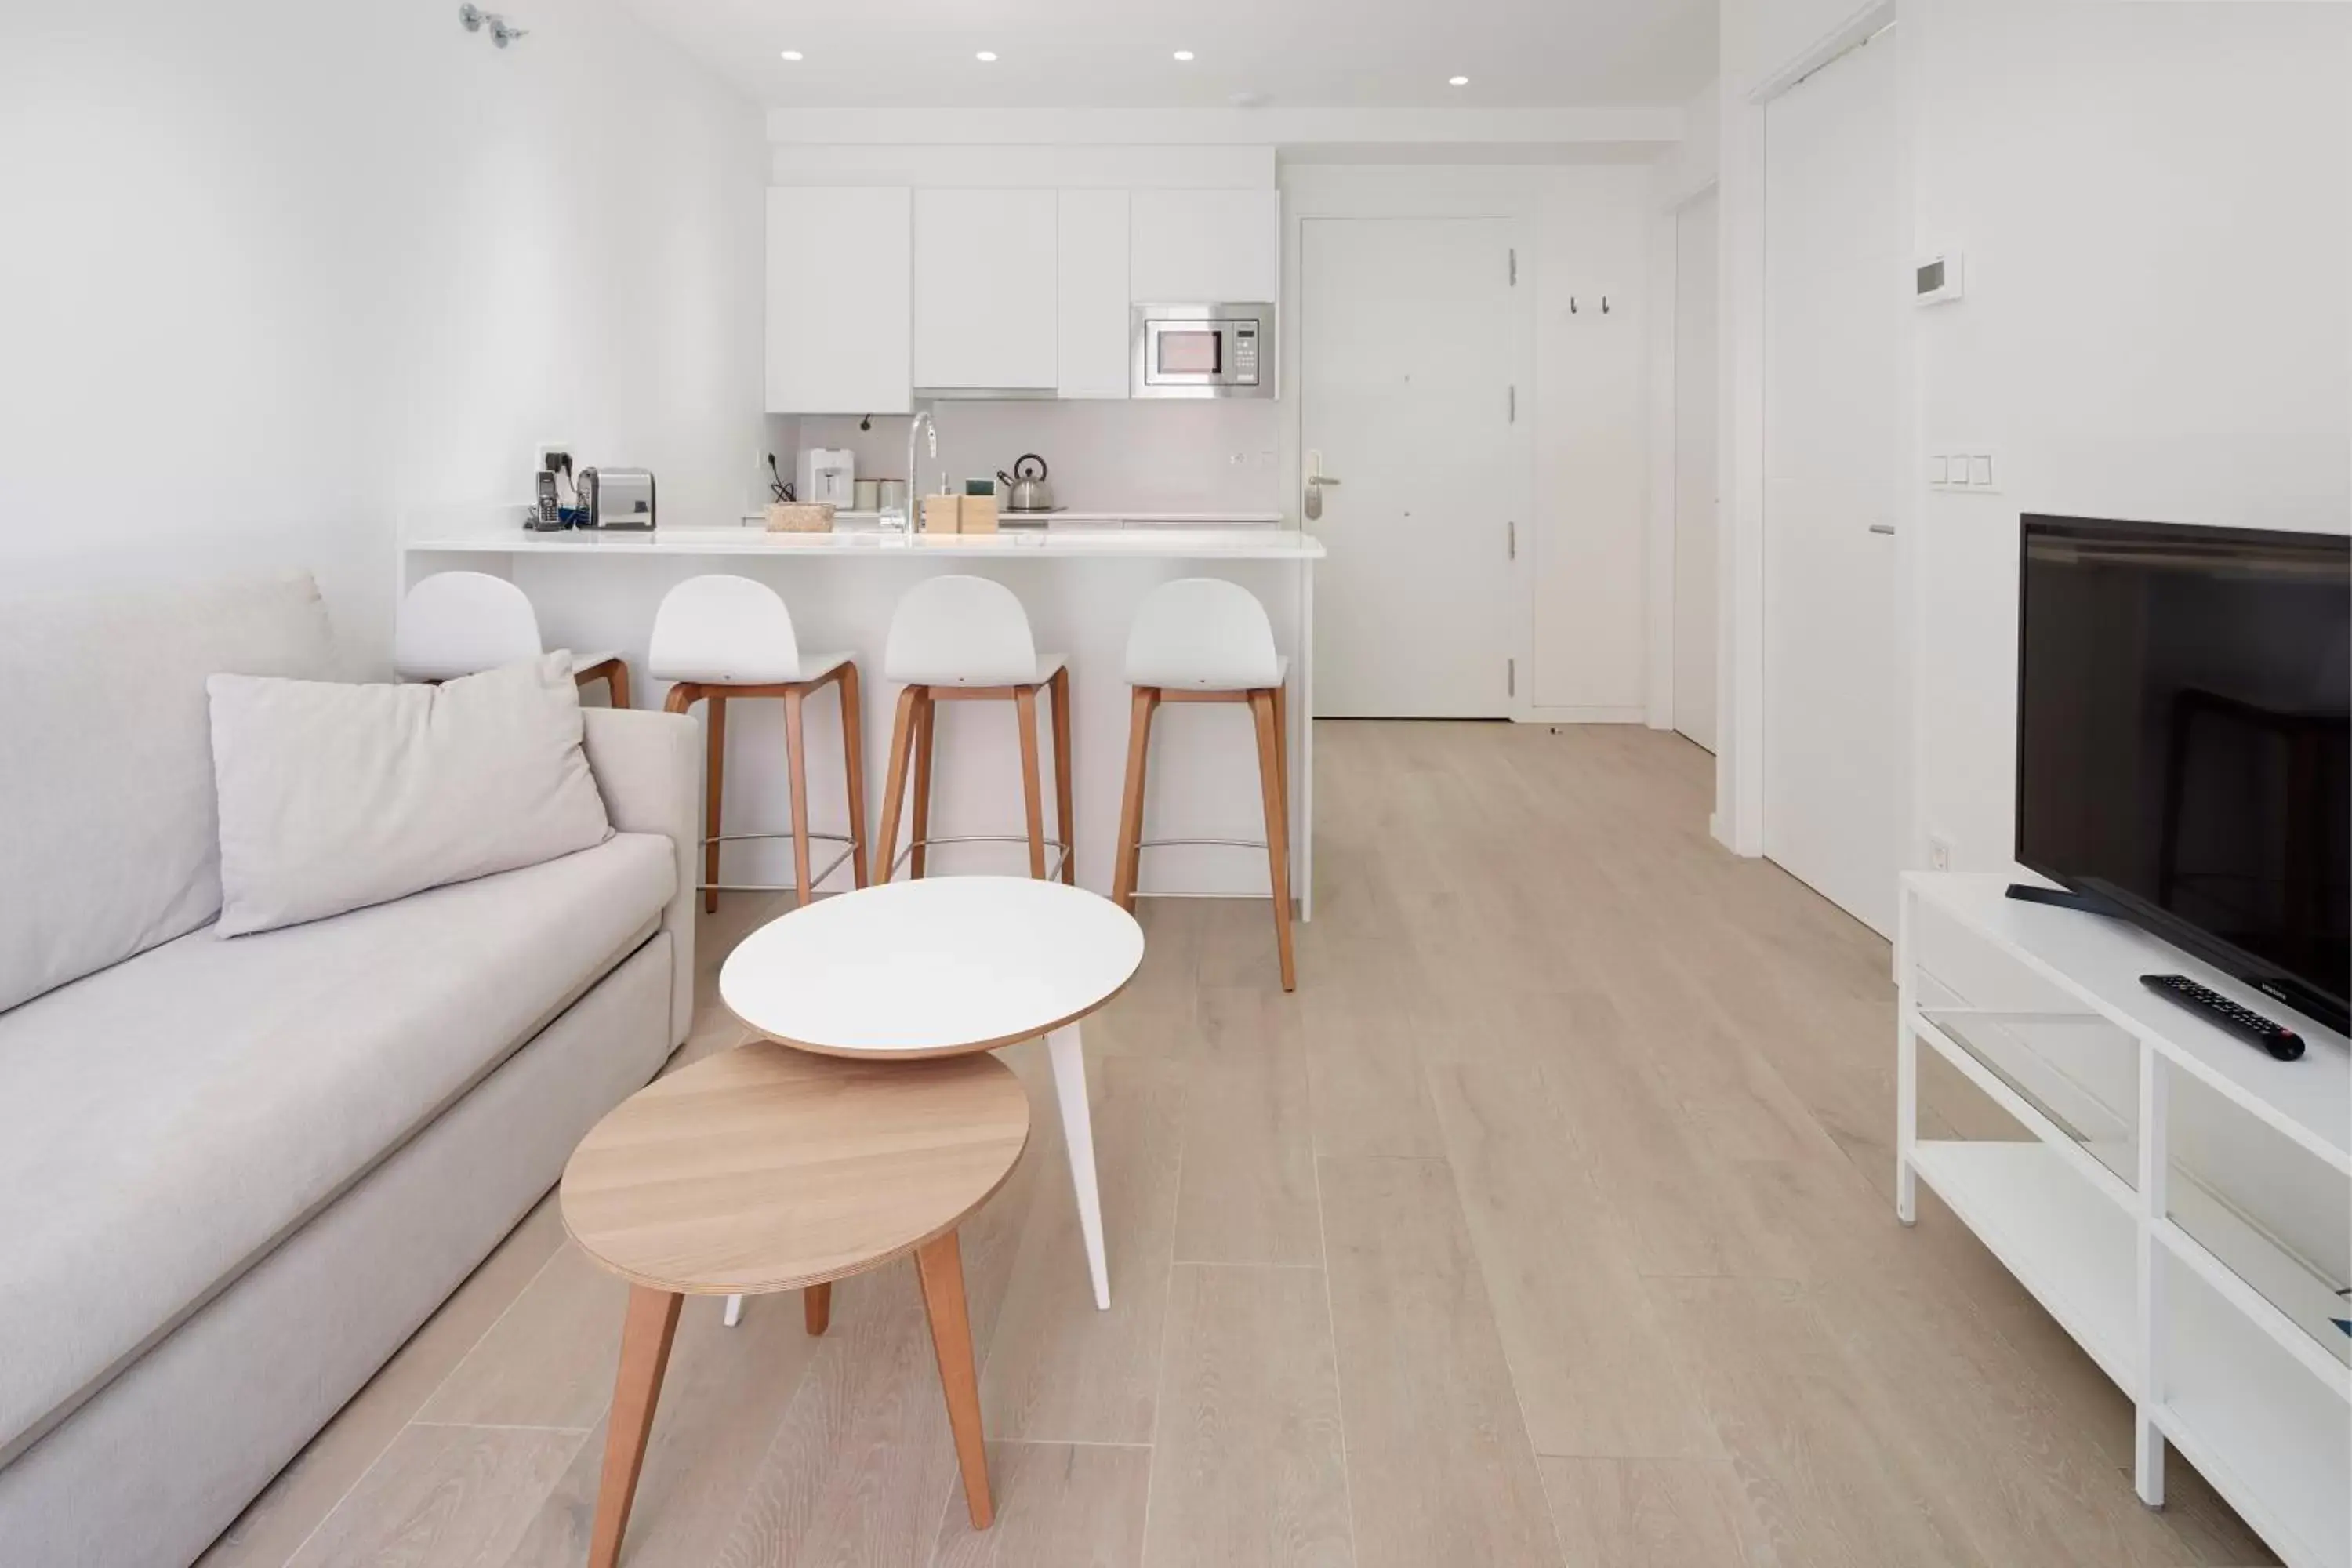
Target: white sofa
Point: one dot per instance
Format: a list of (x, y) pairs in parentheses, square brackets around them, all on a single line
[(236, 1173)]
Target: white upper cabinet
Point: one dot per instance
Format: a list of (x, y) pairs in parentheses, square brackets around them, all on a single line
[(1094, 272), (840, 266), (1206, 246), (986, 295)]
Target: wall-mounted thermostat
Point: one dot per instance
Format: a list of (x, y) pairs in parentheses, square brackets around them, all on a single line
[(1935, 280)]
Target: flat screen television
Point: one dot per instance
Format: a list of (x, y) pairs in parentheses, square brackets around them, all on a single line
[(2184, 741)]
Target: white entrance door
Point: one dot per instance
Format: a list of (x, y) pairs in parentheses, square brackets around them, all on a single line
[(1408, 348), (1698, 385), (1833, 318)]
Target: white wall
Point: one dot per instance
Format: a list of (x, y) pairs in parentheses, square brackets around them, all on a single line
[(1586, 232), (2153, 205), (276, 272), (1135, 456)]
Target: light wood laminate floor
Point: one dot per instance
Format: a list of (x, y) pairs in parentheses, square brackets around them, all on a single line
[(1548, 1223)]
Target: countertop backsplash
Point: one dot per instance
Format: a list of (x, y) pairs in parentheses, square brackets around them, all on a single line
[(1144, 457)]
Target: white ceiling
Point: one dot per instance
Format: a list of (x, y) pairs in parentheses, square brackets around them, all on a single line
[(1098, 54)]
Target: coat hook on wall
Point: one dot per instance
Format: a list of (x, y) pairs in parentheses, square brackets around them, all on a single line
[(502, 32), (1571, 304), (1604, 304)]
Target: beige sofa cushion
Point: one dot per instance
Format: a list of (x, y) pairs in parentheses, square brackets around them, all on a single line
[(107, 829), (333, 797), (165, 1123)]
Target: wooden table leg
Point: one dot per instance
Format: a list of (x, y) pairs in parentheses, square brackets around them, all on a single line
[(939, 1265), (645, 1335), (816, 1308)]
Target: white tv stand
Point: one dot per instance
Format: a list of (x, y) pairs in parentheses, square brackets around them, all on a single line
[(2220, 1331)]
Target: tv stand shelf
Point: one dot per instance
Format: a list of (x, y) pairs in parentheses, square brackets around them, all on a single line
[(2223, 1335)]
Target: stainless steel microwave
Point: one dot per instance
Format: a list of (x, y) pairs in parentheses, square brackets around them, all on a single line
[(1203, 351)]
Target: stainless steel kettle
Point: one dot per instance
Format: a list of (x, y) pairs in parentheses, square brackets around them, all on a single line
[(1024, 490)]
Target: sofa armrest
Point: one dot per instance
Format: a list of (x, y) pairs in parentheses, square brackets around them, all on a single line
[(648, 767)]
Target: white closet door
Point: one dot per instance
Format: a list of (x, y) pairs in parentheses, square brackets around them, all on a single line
[(1697, 386), (1834, 318)]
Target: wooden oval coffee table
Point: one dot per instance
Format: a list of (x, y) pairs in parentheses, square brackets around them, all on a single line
[(766, 1169), (948, 966)]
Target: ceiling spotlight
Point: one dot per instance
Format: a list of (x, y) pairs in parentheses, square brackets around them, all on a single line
[(1457, 82), (987, 57), (1183, 54), (791, 53)]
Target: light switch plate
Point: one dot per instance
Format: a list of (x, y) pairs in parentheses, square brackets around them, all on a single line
[(1961, 471)]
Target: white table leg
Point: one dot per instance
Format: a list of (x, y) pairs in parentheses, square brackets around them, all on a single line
[(1078, 1131), (734, 1312)]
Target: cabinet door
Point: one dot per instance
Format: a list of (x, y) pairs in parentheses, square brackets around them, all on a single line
[(1206, 247), (839, 299), (1094, 336), (984, 289)]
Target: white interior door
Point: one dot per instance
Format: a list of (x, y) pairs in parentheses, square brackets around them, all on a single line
[(1697, 383), (1408, 348), (1834, 318)]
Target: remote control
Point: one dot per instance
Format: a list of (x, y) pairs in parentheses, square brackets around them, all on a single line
[(2276, 1039)]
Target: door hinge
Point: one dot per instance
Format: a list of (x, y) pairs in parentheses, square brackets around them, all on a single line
[(1511, 540), (1515, 403), (1514, 266), (1510, 677)]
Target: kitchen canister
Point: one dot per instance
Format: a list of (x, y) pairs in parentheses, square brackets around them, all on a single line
[(868, 494)]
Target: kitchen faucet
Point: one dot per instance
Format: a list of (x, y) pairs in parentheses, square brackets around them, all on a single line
[(921, 422)]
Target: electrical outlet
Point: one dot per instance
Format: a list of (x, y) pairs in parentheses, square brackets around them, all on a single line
[(1939, 852)]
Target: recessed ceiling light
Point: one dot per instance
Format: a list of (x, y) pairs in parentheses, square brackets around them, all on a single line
[(986, 57), (1183, 54), (1457, 82), (791, 53)]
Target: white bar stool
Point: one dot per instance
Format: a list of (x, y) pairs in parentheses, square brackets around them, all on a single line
[(967, 639), (1202, 639), (455, 624), (721, 637)]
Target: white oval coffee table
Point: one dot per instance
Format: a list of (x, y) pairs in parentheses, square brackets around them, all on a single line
[(943, 966)]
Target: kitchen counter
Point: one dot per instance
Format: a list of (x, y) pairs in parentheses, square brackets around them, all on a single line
[(1097, 518), (1197, 543), (1081, 580)]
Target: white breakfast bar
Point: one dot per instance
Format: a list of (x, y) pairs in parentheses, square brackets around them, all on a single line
[(1080, 585)]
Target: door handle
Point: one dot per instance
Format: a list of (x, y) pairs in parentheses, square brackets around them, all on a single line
[(1315, 480), (1882, 528)]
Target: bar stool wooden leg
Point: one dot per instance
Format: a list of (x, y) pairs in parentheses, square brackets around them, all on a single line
[(796, 763), (714, 775), (1064, 828), (1282, 752), (1277, 827), (927, 719), (614, 673), (893, 783), (1131, 805), (939, 1265), (1024, 706), (853, 757), (816, 1308), (645, 1335)]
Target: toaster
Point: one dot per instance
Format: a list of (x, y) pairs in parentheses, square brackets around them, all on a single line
[(617, 498)]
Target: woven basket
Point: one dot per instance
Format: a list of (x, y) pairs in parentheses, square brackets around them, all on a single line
[(800, 517)]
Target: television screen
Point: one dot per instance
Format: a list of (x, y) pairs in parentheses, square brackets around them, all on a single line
[(2184, 737)]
